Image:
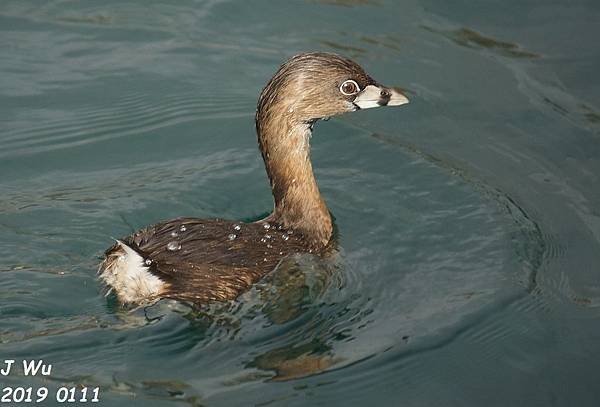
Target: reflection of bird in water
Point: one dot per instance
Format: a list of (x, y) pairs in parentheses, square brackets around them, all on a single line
[(288, 292), (295, 285), (207, 260), (293, 362)]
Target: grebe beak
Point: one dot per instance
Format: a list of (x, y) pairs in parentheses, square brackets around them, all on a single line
[(377, 95)]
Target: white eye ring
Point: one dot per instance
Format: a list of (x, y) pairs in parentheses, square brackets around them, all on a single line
[(350, 81)]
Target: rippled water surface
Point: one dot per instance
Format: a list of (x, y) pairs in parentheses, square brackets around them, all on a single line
[(468, 220)]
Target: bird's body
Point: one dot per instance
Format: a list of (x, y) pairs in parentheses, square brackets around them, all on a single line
[(198, 260), (207, 260)]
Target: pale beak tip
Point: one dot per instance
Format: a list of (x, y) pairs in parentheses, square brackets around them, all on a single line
[(398, 98)]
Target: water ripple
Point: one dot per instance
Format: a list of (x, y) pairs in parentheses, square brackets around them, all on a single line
[(133, 116)]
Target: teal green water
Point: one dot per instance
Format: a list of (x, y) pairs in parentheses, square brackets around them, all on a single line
[(468, 220)]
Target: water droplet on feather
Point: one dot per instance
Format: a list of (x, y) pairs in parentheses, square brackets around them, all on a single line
[(173, 246)]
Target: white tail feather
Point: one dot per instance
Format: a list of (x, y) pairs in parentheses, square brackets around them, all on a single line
[(124, 271)]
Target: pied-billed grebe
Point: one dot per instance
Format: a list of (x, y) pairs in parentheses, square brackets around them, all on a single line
[(206, 260)]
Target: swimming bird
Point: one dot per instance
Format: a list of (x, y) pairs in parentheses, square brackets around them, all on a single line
[(208, 260)]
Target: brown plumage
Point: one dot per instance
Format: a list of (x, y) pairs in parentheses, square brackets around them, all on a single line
[(200, 260)]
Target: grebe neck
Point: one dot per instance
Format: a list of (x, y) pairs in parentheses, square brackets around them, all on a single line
[(285, 147)]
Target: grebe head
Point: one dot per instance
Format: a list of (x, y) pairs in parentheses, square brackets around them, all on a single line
[(313, 86)]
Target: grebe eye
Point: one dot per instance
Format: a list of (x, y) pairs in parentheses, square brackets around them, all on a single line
[(349, 87)]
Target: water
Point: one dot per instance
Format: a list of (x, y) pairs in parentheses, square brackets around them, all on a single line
[(468, 220)]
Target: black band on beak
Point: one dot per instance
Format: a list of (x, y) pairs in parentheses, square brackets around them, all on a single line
[(384, 98)]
